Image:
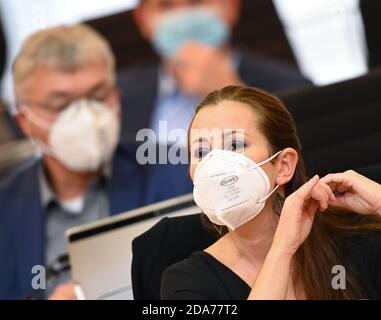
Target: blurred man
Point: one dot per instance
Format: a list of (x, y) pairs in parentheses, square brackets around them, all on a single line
[(68, 104), (192, 38)]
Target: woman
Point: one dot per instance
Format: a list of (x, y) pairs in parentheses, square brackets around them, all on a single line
[(281, 237)]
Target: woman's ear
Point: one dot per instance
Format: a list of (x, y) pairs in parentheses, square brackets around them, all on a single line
[(286, 165)]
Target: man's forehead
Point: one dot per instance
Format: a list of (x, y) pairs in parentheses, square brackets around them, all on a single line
[(89, 67), (53, 79)]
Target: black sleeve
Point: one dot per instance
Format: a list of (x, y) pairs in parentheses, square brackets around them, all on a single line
[(181, 282)]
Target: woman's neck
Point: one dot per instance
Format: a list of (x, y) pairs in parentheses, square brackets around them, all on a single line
[(253, 240)]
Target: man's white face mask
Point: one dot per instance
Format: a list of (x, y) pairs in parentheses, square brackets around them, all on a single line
[(83, 137), (230, 188)]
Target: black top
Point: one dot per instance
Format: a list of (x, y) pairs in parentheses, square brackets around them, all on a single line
[(157, 248), (201, 276)]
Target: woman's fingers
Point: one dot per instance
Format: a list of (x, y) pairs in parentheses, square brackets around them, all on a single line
[(298, 201), (305, 191), (332, 178), (318, 195), (339, 202), (311, 208), (322, 193), (329, 195), (326, 187), (339, 182)]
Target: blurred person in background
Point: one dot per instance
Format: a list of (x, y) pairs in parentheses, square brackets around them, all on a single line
[(192, 38), (68, 104), (3, 49)]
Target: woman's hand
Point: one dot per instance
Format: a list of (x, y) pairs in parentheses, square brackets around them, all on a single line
[(298, 214), (294, 226), (354, 192)]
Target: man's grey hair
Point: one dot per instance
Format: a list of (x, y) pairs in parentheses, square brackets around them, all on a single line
[(66, 48)]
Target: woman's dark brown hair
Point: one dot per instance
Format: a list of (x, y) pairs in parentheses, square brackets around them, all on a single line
[(323, 249)]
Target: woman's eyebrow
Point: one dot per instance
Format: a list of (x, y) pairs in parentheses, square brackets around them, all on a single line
[(237, 133)]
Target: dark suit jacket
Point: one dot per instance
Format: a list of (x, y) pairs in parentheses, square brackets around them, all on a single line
[(22, 220), (139, 87), (167, 242)]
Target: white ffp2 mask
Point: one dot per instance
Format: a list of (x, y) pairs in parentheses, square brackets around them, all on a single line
[(83, 137), (230, 188)]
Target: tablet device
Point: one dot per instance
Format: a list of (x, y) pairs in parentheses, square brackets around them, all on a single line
[(101, 253)]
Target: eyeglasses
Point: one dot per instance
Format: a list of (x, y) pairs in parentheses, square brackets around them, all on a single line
[(102, 95)]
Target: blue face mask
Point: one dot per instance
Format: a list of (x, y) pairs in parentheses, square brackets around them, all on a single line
[(199, 24)]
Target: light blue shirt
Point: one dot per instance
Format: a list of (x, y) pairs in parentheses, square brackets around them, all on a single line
[(174, 109), (60, 216)]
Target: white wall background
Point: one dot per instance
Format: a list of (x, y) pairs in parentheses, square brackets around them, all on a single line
[(327, 37)]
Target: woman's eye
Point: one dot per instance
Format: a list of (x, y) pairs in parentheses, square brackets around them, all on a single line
[(200, 153), (236, 146)]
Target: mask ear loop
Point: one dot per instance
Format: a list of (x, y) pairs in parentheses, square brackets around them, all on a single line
[(269, 195), (40, 123), (46, 125), (269, 159), (276, 188)]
